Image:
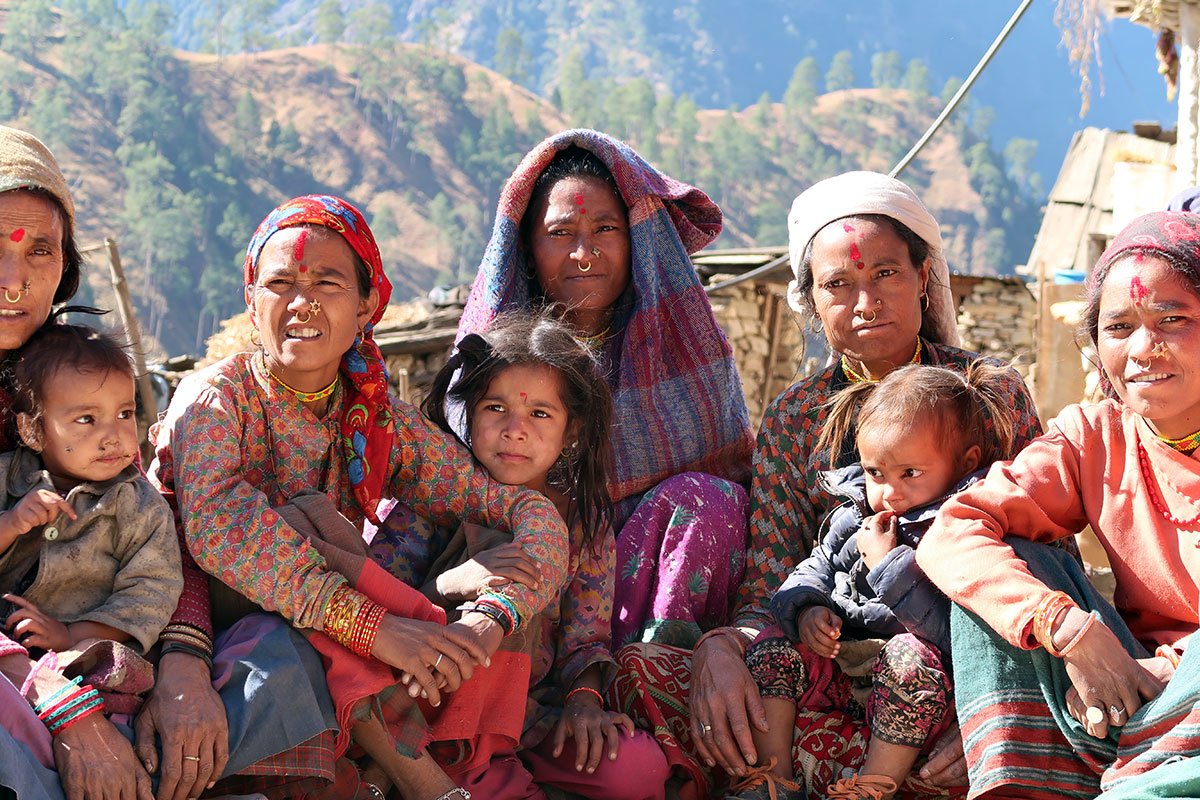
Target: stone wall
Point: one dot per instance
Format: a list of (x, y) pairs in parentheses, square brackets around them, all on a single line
[(997, 316), (766, 337)]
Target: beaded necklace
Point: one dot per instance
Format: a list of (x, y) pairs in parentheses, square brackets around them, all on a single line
[(595, 341), (1144, 462), (303, 397), (856, 378), (1187, 445)]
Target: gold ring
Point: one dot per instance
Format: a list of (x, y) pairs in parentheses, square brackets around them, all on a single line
[(1140, 365), (12, 299), (863, 315), (191, 758), (582, 268), (307, 316)]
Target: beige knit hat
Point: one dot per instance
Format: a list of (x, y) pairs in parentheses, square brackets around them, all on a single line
[(26, 163)]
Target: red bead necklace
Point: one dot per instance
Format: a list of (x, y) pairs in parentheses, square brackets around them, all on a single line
[(1144, 461)]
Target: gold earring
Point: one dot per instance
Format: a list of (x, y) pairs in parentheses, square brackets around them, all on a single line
[(259, 342), (925, 305), (582, 268)]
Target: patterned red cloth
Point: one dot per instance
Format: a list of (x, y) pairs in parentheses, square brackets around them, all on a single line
[(652, 687), (367, 424)]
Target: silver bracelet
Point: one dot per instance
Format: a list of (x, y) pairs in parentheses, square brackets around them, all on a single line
[(463, 793)]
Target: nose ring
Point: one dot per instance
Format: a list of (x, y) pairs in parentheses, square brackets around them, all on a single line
[(307, 316), (582, 268), (1160, 350), (863, 315), (595, 251), (12, 299), (1140, 365)]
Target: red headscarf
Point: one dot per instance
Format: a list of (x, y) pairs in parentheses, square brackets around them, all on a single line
[(367, 426)]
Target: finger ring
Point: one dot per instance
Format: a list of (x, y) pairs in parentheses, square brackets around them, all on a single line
[(1116, 711), (439, 660), (1095, 715), (705, 729), (191, 758)]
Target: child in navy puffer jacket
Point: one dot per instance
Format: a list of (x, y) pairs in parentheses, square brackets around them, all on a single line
[(860, 627)]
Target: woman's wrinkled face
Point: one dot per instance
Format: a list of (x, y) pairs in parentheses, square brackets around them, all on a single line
[(306, 304), (866, 290), (31, 264), (1148, 339), (580, 243)]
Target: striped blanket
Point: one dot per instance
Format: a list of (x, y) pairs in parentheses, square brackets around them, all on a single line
[(1017, 734), (679, 402)]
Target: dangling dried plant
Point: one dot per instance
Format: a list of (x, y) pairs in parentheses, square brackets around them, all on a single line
[(1081, 23)]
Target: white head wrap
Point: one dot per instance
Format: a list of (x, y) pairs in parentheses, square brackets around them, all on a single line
[(854, 193)]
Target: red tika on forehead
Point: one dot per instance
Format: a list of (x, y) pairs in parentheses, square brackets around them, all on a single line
[(1137, 291), (298, 251), (17, 235), (856, 254), (847, 227)]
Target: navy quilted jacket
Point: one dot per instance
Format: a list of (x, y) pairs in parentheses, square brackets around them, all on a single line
[(878, 603)]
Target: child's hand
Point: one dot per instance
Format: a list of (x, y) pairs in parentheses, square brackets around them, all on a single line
[(590, 725), (876, 537), (496, 566), (32, 628), (819, 629), (36, 508)]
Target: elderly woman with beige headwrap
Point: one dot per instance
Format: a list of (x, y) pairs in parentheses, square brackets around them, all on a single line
[(870, 274)]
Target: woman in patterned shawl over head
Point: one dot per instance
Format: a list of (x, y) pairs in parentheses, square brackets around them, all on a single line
[(584, 223), (275, 459)]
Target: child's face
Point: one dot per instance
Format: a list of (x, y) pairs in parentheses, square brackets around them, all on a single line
[(88, 430), (907, 468), (519, 427)]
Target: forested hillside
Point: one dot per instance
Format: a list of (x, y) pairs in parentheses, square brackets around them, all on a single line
[(177, 154)]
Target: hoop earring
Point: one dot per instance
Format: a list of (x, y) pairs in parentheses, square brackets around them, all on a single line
[(582, 268), (925, 305), (259, 342), (863, 315), (815, 325), (12, 299)]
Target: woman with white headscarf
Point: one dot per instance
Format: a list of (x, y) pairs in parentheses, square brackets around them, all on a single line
[(869, 272)]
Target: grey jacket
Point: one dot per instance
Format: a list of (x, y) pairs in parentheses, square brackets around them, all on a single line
[(118, 564)]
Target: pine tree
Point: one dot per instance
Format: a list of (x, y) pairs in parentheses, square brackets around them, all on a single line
[(331, 22), (885, 70), (801, 91), (841, 72)]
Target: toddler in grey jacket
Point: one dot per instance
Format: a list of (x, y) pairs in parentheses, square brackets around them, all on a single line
[(88, 548)]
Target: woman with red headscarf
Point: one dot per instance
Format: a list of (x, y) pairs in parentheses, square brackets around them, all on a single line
[(276, 457)]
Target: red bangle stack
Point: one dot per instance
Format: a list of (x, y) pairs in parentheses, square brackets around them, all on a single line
[(65, 708), (366, 625)]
